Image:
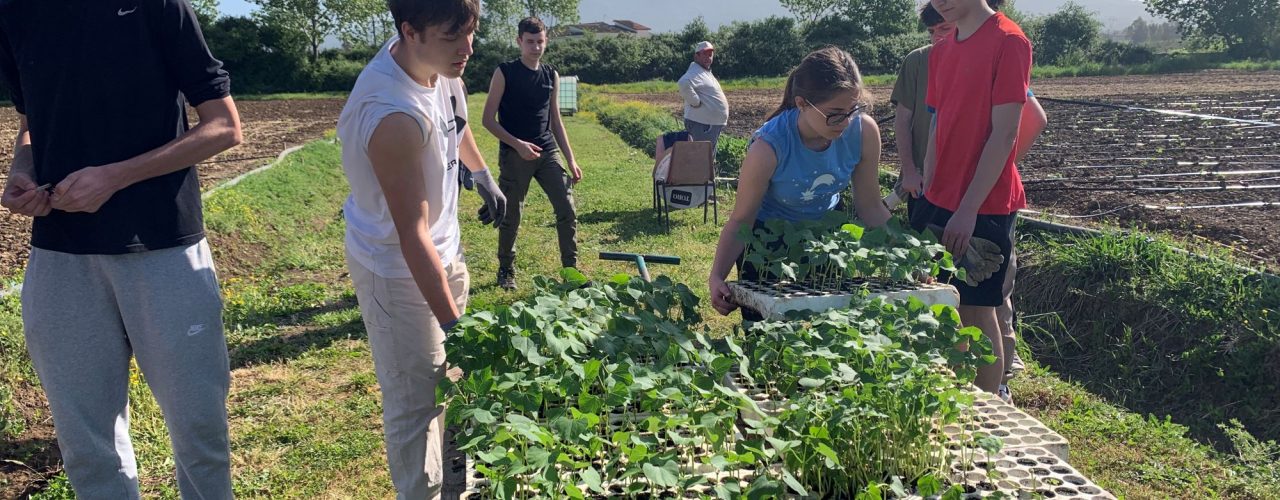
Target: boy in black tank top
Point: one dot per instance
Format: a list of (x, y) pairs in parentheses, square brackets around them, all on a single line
[(523, 113)]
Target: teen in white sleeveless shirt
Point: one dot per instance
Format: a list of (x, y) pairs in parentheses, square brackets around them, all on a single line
[(404, 137), (383, 89)]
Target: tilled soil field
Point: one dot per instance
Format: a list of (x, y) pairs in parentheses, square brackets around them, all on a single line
[(269, 128), (1100, 160)]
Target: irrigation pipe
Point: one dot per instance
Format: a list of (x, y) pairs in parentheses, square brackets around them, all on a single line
[(1247, 204), (240, 158), (280, 157), (1152, 190), (1161, 111), (1204, 173), (16, 287)]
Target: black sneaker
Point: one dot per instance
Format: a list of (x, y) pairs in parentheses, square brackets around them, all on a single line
[(507, 278)]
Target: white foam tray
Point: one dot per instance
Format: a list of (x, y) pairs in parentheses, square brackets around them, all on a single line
[(1017, 430), (1030, 472), (774, 300)]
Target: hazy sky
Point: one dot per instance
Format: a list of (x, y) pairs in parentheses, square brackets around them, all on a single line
[(671, 15)]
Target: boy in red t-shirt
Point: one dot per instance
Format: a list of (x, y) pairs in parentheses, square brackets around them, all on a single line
[(977, 87)]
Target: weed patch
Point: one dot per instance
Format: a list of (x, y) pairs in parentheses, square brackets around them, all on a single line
[(1156, 329)]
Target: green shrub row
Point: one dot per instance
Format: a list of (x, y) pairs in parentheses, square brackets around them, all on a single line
[(640, 124)]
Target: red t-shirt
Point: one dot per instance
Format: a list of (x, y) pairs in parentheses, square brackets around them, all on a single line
[(966, 79)]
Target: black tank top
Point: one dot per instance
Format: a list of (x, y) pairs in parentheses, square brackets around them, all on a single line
[(525, 109)]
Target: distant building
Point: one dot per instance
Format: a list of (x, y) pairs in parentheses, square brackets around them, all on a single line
[(600, 29)]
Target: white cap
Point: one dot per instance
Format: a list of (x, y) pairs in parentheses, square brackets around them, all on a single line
[(703, 45)]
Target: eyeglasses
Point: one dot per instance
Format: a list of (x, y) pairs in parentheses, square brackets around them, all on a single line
[(838, 118)]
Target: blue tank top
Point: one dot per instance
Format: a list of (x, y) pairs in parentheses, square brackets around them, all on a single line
[(806, 184)]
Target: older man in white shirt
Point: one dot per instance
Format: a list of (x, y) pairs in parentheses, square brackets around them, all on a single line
[(706, 111)]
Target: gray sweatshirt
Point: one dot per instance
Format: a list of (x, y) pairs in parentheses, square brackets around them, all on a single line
[(704, 100)]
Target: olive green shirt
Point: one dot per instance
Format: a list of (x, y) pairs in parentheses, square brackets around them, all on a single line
[(910, 90)]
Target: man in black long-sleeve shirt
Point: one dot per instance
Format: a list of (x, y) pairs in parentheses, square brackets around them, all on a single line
[(120, 268)]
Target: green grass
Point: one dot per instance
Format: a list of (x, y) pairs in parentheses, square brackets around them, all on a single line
[(1142, 456), (305, 414), (1252, 65)]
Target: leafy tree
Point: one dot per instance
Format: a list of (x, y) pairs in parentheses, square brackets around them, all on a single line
[(770, 46), (1010, 10), (364, 23), (255, 55), (865, 18), (501, 16), (1070, 30), (206, 11), (311, 21), (811, 11), (1246, 27), (1138, 32)]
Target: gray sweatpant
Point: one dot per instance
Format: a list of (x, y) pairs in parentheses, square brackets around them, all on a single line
[(704, 132), (84, 316)]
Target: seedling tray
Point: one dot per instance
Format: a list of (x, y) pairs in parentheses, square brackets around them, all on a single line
[(774, 300), (1030, 472), (992, 417)]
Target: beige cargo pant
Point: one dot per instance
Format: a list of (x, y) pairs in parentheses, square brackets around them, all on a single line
[(409, 360)]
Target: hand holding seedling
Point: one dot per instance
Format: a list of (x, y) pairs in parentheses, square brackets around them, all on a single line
[(85, 190), (22, 196)]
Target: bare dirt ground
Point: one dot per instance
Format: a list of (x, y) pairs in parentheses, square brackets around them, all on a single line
[(269, 128), (1132, 168)]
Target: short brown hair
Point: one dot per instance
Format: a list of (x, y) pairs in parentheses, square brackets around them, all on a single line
[(456, 14), (531, 25)]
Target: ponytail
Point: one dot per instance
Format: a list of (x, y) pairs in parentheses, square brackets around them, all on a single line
[(820, 76), (788, 97)]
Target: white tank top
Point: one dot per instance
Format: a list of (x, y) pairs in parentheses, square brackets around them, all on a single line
[(384, 88)]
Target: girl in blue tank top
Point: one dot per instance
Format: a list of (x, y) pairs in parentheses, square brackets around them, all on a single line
[(816, 143)]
